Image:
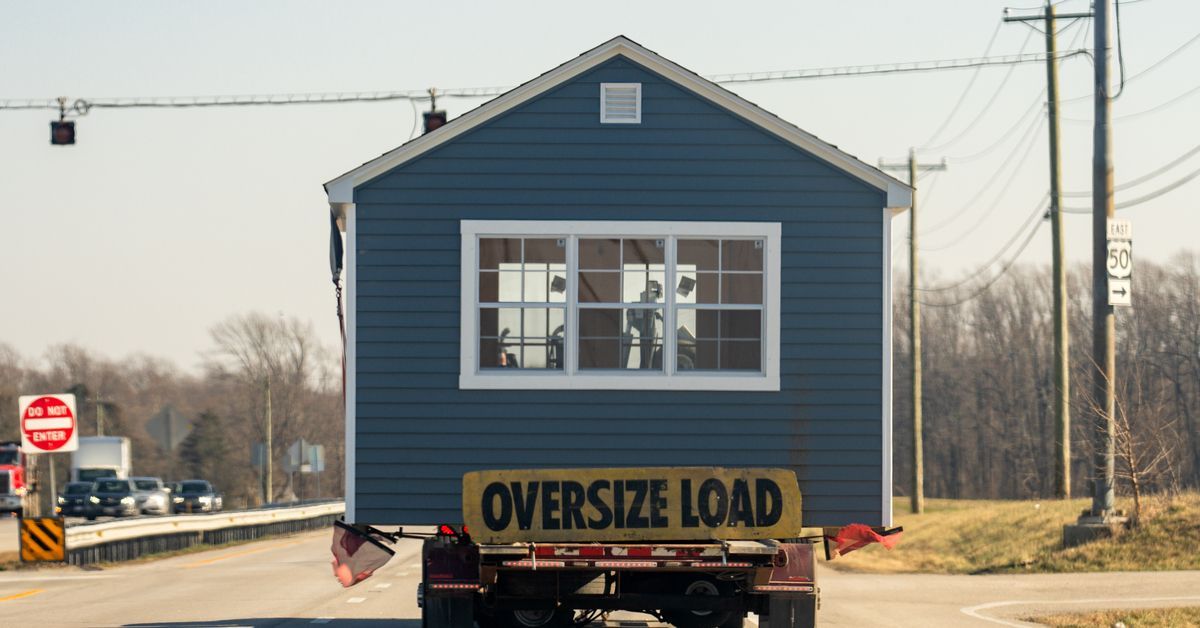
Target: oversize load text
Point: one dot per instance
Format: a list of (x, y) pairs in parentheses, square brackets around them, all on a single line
[(605, 504)]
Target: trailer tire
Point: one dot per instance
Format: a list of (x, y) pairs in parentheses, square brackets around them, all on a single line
[(701, 619), (556, 618)]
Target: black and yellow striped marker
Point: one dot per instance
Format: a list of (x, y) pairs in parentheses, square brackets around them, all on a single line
[(43, 539)]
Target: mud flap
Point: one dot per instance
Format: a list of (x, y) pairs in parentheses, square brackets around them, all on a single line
[(790, 610), (456, 611)]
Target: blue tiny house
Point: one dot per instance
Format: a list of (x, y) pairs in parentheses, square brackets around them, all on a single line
[(618, 263)]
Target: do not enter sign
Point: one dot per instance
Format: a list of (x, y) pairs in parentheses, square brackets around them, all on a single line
[(48, 424)]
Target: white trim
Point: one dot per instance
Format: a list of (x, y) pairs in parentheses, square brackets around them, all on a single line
[(349, 293), (470, 376), (886, 401), (340, 189), (899, 198), (637, 103)]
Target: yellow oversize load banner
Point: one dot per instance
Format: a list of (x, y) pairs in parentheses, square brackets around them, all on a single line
[(646, 504)]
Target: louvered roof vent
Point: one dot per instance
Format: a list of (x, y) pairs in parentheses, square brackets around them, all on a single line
[(620, 103)]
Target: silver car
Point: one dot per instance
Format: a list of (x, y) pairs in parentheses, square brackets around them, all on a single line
[(152, 496)]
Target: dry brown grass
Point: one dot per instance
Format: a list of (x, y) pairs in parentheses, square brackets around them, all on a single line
[(1143, 618), (983, 536)]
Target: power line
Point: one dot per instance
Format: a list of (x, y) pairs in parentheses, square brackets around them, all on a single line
[(1035, 106), (1141, 199), (892, 68), (1138, 114), (987, 106), (1039, 212), (158, 102), (991, 282), (1153, 66), (966, 90), (1144, 178), (1028, 139)]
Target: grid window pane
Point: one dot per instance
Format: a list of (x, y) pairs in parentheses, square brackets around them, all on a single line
[(489, 286), (696, 287), (742, 254), (530, 338), (509, 286), (599, 287), (599, 254), (741, 355), (496, 251), (644, 252), (640, 286), (742, 288), (546, 251), (718, 339), (745, 324), (698, 254), (625, 338)]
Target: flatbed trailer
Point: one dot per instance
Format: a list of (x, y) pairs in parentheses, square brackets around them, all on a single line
[(545, 585)]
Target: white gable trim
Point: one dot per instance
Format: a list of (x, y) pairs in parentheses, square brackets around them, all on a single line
[(341, 189)]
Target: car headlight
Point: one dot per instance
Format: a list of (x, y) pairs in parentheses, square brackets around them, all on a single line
[(94, 499), (177, 499), (205, 499), (128, 499), (61, 500)]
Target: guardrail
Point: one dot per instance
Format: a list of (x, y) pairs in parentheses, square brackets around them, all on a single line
[(128, 539)]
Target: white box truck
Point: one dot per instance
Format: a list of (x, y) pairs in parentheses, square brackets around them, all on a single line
[(100, 457)]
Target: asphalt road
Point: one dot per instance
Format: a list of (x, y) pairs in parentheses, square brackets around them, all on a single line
[(288, 582)]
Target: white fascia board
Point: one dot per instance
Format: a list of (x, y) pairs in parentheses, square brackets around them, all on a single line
[(341, 188), (899, 198)]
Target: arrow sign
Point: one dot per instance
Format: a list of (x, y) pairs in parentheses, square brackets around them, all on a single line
[(1120, 292)]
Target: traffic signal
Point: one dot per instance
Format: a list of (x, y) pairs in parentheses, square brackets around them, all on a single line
[(434, 119), (62, 133)]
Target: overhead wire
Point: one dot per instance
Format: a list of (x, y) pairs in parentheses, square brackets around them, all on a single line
[(1141, 199), (991, 282), (1138, 114), (1039, 212), (1025, 141), (83, 105), (966, 90), (987, 106), (1144, 178), (1036, 106), (1137, 75)]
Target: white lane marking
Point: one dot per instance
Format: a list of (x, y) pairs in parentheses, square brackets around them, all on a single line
[(973, 611), (414, 565), (382, 585), (356, 600), (321, 620), (402, 574)]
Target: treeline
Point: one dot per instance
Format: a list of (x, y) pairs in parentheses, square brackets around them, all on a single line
[(989, 384), (224, 405)]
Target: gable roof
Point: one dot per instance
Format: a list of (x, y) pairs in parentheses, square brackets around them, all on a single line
[(899, 195)]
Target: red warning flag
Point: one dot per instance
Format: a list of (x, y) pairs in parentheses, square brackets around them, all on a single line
[(357, 553), (857, 535)]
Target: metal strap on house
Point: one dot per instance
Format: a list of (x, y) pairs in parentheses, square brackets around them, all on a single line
[(43, 539)]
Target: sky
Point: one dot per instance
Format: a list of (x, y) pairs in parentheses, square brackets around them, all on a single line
[(158, 224)]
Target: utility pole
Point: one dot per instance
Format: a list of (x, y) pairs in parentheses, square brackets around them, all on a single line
[(1062, 390), (1104, 328), (268, 480), (914, 332)]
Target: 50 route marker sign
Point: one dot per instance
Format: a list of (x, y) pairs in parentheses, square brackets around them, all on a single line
[(48, 424), (1120, 263)]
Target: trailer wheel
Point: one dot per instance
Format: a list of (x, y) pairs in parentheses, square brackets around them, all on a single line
[(542, 618), (699, 619)]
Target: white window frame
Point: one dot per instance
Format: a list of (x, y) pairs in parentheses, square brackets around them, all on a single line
[(636, 119), (571, 377)]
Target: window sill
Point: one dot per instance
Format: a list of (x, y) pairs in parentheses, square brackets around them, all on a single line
[(747, 382)]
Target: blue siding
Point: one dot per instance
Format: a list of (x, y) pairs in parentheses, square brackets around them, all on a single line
[(550, 159)]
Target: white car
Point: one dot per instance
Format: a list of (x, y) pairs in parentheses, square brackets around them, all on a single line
[(152, 496)]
